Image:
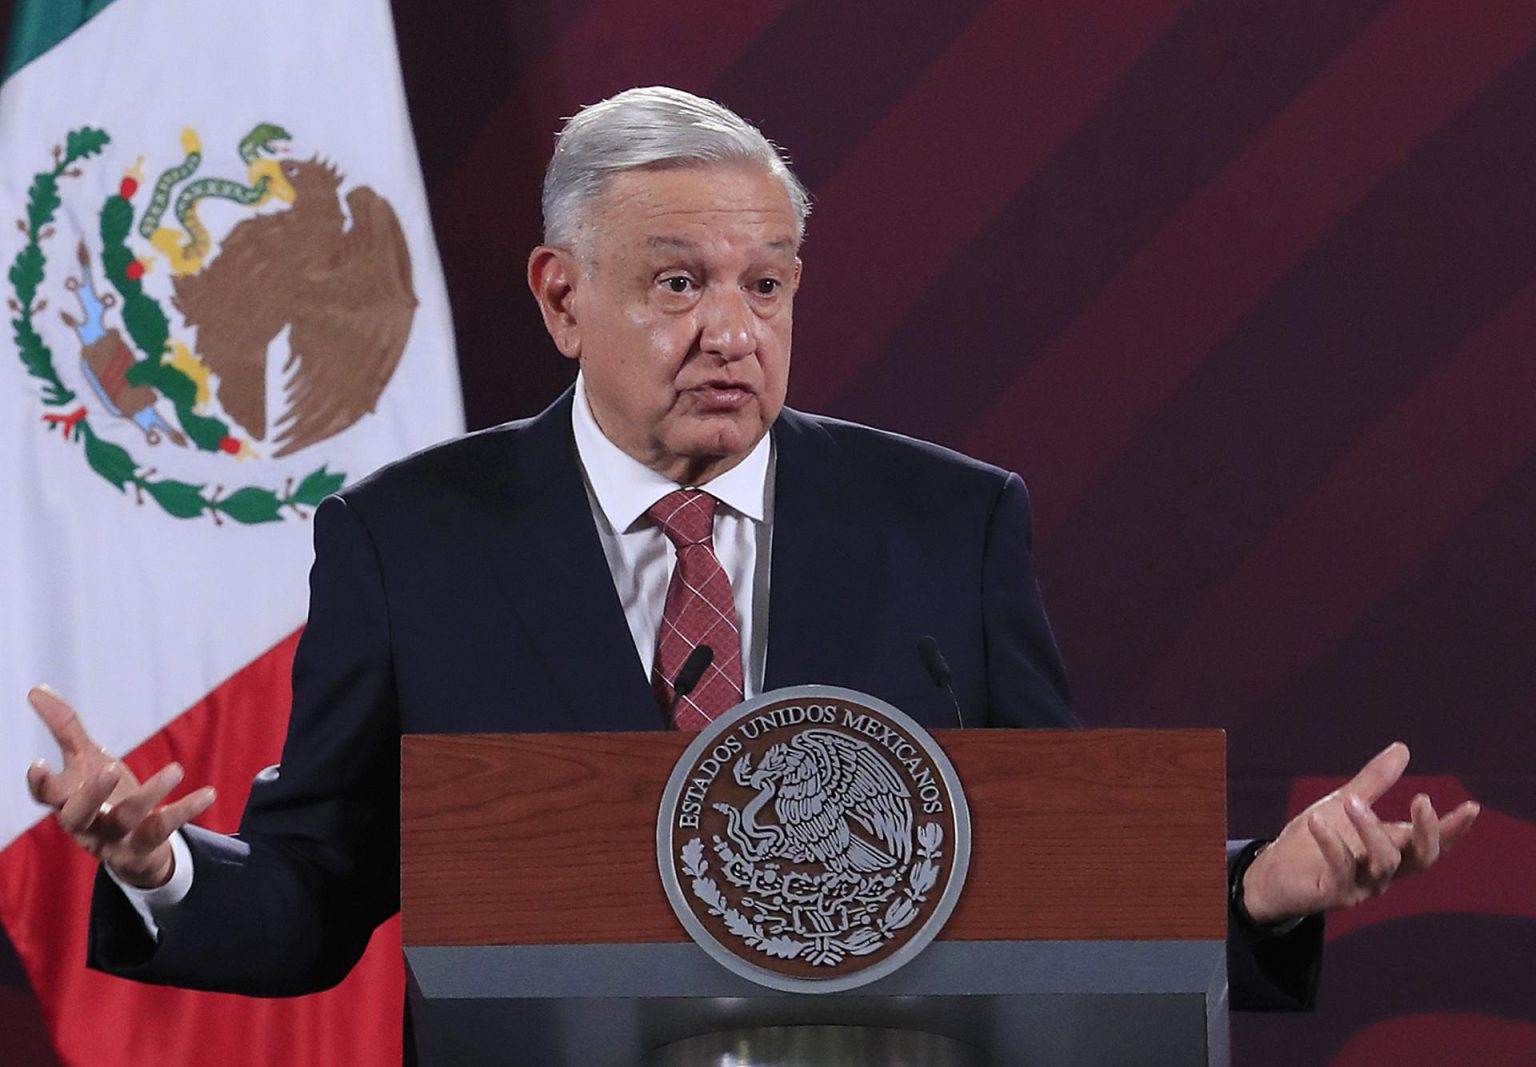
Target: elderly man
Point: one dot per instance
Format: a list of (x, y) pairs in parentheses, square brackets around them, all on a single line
[(553, 574)]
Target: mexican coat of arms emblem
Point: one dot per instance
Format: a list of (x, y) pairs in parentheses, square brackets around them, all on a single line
[(209, 317), (813, 839)]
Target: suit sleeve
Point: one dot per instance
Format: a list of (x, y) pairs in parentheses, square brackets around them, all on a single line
[(1267, 971), (287, 905), (1026, 681)]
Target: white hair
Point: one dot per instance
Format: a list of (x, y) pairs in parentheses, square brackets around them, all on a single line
[(655, 126)]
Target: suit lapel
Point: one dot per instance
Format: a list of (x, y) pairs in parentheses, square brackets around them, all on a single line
[(545, 552), (823, 564)]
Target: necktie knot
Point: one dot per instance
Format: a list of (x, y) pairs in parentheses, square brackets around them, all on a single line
[(686, 516)]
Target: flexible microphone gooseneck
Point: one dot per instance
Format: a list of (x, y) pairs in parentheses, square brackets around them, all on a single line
[(938, 670), (688, 676)]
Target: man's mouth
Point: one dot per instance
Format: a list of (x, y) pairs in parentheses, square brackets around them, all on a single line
[(721, 395)]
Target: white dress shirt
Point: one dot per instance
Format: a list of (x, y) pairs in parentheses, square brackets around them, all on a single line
[(620, 489)]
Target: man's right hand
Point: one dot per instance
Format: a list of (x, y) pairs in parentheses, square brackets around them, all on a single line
[(99, 802)]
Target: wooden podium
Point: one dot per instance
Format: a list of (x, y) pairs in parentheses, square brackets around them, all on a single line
[(1091, 928)]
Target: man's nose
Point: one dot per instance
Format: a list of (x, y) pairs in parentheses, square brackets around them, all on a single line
[(727, 324)]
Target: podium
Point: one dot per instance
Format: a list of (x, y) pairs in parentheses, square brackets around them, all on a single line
[(1091, 929)]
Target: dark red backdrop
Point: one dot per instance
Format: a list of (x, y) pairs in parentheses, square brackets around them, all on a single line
[(1247, 292)]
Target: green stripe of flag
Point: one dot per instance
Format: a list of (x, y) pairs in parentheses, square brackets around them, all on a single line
[(38, 25)]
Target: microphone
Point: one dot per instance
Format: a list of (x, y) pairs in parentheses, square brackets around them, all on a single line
[(938, 670), (688, 676)]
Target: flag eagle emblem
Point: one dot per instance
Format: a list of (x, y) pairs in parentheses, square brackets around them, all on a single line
[(205, 290)]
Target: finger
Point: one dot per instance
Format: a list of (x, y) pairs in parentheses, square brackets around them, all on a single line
[(1455, 825), (1380, 774), (1382, 858), (161, 824), (131, 810), (1336, 854), (52, 787), (41, 783), (1400, 833), (83, 808), (61, 720), (1424, 848), (1332, 813)]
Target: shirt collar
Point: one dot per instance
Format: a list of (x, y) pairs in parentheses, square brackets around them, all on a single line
[(625, 488)]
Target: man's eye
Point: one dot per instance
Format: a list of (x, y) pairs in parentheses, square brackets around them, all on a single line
[(677, 284), (765, 286)]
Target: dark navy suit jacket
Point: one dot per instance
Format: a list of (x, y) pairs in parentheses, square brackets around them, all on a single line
[(465, 590)]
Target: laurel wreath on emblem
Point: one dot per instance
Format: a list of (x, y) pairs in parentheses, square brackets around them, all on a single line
[(869, 929), (146, 375)]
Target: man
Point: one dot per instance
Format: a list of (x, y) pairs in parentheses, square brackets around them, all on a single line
[(542, 576)]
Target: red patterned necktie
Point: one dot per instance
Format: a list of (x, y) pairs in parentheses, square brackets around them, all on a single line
[(699, 611)]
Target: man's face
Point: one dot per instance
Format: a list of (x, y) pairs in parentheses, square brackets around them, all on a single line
[(678, 306)]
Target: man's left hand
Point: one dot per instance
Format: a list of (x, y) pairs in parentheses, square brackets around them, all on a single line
[(1338, 853)]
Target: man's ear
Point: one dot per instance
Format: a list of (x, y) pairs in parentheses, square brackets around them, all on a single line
[(552, 275)]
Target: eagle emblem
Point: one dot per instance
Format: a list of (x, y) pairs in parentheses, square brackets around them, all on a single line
[(342, 292), (241, 305), (810, 838), (837, 801)]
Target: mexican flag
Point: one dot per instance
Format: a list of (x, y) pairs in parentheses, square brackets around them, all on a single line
[(223, 302)]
